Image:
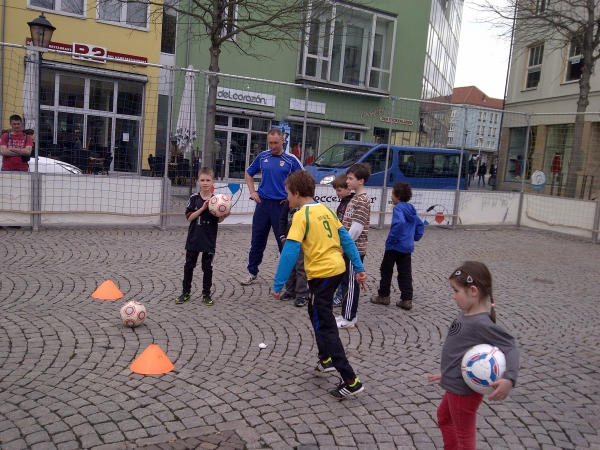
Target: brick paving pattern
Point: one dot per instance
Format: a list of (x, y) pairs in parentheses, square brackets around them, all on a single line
[(65, 381)]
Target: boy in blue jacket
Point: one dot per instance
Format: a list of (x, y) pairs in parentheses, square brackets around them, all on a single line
[(406, 228)]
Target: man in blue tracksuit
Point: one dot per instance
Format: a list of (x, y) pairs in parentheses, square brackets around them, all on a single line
[(275, 166)]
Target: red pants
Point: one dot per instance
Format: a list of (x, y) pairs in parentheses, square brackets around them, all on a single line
[(457, 419)]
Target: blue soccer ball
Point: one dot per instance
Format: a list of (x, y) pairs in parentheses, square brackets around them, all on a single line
[(481, 366)]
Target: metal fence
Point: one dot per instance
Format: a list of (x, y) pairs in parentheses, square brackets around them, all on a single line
[(127, 131)]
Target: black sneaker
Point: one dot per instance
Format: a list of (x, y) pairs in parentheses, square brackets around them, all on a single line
[(286, 296), (207, 300), (346, 390), (325, 366), (182, 299), (300, 301)]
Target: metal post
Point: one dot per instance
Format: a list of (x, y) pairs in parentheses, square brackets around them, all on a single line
[(303, 153), (523, 172), (460, 165), (36, 140), (165, 199), (383, 202)]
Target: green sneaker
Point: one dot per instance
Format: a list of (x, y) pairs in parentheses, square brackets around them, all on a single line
[(207, 300), (182, 299)]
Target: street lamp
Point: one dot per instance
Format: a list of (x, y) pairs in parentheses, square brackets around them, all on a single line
[(41, 33)]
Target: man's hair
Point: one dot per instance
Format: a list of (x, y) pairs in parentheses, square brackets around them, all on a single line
[(402, 191), (15, 117), (301, 182), (340, 181), (276, 131), (206, 171), (361, 171)]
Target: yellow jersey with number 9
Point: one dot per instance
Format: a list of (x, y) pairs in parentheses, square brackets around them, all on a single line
[(316, 227)]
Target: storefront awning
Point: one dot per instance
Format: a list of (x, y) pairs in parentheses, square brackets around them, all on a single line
[(93, 71)]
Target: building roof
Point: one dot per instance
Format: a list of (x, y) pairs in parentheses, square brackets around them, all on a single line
[(472, 95)]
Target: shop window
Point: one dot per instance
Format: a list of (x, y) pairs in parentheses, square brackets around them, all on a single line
[(59, 6), (559, 144), (575, 61), (124, 12), (71, 91), (47, 88), (349, 46), (534, 66), (101, 95), (352, 136), (129, 98), (169, 29), (313, 135), (515, 166)]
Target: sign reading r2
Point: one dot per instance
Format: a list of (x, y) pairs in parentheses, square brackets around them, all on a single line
[(84, 51)]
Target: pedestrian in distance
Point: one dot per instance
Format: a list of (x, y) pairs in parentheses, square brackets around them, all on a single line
[(474, 325), (407, 227), (15, 147), (316, 229), (296, 286), (356, 221), (201, 238), (275, 166), (340, 185), (481, 173)]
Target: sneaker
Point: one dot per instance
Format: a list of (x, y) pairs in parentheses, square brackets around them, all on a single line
[(286, 296), (300, 301), (379, 300), (346, 324), (248, 280), (325, 366), (182, 299), (337, 302), (207, 300), (346, 390), (404, 304)]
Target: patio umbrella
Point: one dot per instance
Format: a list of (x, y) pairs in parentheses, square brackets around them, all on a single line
[(30, 89), (186, 122)]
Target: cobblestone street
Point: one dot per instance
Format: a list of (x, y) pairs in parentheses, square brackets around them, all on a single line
[(65, 381)]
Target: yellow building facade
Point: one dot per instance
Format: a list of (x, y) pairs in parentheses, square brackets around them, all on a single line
[(97, 92)]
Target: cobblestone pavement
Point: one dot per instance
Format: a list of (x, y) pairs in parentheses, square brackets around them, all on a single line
[(64, 357)]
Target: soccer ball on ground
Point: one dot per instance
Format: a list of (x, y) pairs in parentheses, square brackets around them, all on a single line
[(481, 366), (219, 205), (133, 314)]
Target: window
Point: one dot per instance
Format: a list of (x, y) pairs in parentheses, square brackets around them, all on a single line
[(349, 46), (228, 16), (450, 140), (480, 116), (489, 131), (125, 12), (484, 116), (541, 6), (495, 118), (169, 30), (351, 136), (451, 126), (534, 66), (575, 61), (58, 6)]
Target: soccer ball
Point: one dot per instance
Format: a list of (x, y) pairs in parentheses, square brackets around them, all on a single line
[(482, 365), (133, 314), (219, 205)]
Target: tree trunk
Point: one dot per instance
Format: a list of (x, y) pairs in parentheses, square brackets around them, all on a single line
[(576, 160), (211, 109)]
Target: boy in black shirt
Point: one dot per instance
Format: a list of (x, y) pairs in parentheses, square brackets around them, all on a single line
[(202, 238)]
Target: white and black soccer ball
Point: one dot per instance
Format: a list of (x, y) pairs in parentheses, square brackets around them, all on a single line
[(481, 366), (133, 314), (219, 205)]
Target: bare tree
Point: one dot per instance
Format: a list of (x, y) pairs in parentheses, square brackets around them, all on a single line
[(243, 24), (557, 23)]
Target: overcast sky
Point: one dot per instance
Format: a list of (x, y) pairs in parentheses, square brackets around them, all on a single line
[(482, 56)]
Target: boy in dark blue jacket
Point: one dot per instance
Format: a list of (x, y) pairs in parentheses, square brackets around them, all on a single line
[(406, 228)]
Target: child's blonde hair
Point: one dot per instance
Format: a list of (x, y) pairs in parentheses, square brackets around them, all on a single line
[(206, 171), (475, 273)]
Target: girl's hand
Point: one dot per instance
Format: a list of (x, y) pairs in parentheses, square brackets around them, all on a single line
[(437, 377), (502, 388)]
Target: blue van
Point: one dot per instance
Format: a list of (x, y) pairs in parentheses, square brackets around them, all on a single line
[(422, 167)]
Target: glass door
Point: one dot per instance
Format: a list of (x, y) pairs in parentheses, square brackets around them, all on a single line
[(127, 142), (236, 155), (221, 146)]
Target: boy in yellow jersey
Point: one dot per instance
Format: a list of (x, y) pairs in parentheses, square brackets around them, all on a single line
[(317, 230)]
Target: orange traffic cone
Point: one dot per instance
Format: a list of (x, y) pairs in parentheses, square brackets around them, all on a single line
[(107, 291), (152, 361)]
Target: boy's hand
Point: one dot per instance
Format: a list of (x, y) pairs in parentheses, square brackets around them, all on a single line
[(275, 295), (204, 206), (502, 388), (437, 377), (361, 278)]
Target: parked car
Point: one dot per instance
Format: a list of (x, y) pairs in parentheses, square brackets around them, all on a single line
[(422, 167), (49, 165)]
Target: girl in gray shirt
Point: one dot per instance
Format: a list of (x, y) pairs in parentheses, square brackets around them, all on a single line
[(457, 413)]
